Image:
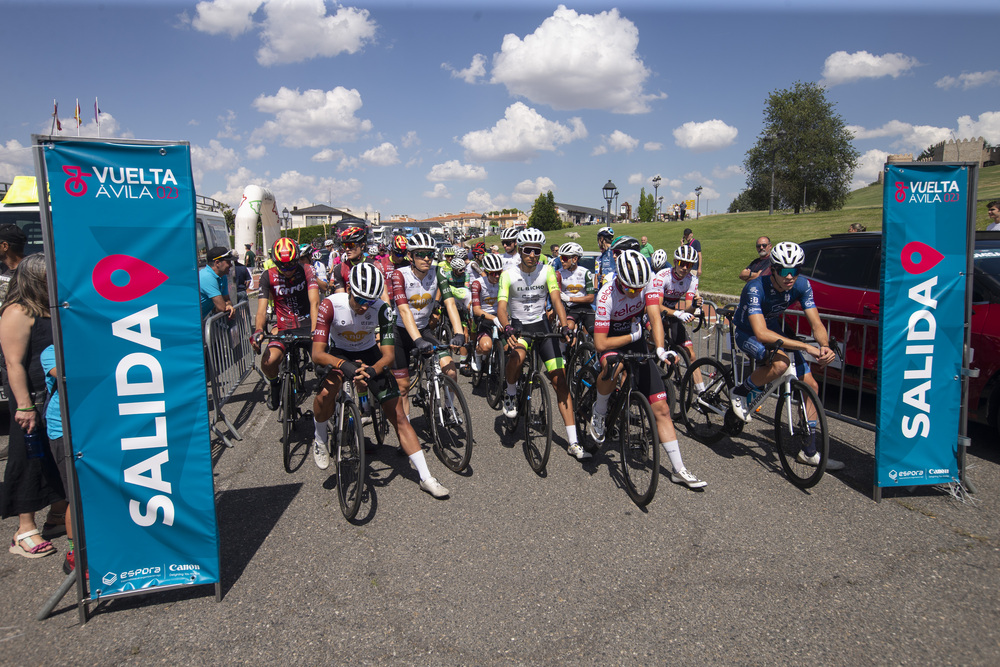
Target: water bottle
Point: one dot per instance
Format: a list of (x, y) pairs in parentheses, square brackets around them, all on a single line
[(34, 444), (363, 400)]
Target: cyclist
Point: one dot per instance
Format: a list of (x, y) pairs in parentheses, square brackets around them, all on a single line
[(455, 280), (484, 306), (293, 289), (521, 307), (576, 287), (475, 266), (618, 326), (415, 291), (509, 240), (319, 270), (605, 263), (448, 254), (658, 261), (678, 288), (397, 257), (345, 340), (352, 240), (757, 323)]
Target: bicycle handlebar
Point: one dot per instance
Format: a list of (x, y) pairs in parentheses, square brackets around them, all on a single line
[(624, 357)]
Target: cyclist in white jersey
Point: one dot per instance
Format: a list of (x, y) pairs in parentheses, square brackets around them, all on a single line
[(521, 307), (510, 256), (680, 298), (576, 286), (345, 340), (484, 306), (621, 303)]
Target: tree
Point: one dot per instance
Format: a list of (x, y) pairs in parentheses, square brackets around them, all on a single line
[(543, 213), (647, 206), (808, 146), (230, 216)]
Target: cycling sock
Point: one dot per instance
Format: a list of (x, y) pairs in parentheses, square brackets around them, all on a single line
[(420, 463), (601, 403), (810, 449), (673, 451), (571, 435), (320, 430), (511, 389), (699, 386)]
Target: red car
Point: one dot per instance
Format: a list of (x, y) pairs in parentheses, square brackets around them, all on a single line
[(844, 272)]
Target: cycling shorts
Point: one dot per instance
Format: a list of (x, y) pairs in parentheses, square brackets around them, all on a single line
[(648, 378), (583, 316), (756, 351), (549, 349), (383, 387), (404, 347), (675, 332)]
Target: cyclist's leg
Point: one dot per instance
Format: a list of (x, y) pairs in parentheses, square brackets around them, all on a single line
[(804, 373), (444, 357), (401, 368), (555, 368), (484, 337), (515, 359)]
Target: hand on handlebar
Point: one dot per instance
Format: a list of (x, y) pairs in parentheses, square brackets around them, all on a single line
[(683, 316), (824, 355), (256, 339)]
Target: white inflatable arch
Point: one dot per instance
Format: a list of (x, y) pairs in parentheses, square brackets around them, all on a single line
[(257, 204)]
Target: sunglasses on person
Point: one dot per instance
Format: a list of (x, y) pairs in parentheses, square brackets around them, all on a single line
[(511, 242), (785, 272), (762, 245), (494, 274), (685, 265), (350, 245), (566, 258), (531, 251), (362, 302), (426, 254)]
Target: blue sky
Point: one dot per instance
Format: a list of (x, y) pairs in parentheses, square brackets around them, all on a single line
[(430, 108)]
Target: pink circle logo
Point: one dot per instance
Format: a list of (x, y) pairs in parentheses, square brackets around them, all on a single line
[(124, 278)]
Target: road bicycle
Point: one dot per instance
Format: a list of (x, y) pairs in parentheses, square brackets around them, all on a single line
[(491, 368), (291, 374), (630, 425), (534, 407), (347, 443), (582, 361), (708, 415), (444, 407)]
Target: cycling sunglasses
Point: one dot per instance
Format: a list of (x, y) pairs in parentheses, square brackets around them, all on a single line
[(424, 254), (494, 274), (510, 242), (350, 245), (785, 272), (531, 251), (566, 258), (362, 302), (685, 265)]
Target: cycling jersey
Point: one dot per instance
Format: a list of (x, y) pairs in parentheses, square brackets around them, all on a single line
[(605, 268), (616, 309), (290, 295), (484, 295), (759, 297), (342, 274), (511, 260), (674, 289), (417, 293), (529, 291), (340, 327), (320, 270), (576, 283)]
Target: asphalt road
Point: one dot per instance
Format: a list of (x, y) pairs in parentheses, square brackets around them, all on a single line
[(515, 568)]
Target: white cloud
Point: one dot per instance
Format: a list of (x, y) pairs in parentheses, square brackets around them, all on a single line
[(635, 179), (652, 146), (290, 188), (969, 80), (843, 67), (214, 157), (577, 61), (699, 177), (233, 17), (256, 152), (228, 122), (453, 170), (314, 118), (410, 139), (439, 192), (708, 136), (987, 127), (527, 191), (520, 135), (15, 160), (910, 137), (480, 200), (727, 172), (869, 166), (297, 30), (328, 155), (599, 150), (383, 155), (619, 141), (475, 70)]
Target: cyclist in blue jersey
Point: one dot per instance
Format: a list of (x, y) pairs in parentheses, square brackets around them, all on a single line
[(757, 323), (605, 263)]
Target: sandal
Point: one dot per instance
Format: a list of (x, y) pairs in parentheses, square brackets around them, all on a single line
[(40, 550)]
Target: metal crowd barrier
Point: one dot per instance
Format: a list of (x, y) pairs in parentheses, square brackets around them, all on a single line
[(230, 359)]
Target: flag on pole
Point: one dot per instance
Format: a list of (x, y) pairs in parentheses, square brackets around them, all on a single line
[(79, 120), (97, 116), (55, 115)]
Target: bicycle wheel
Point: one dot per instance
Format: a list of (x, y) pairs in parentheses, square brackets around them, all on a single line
[(585, 357), (793, 435), (496, 382), (350, 461), (639, 445), (704, 414), (583, 407), (287, 416), (477, 375), (537, 409), (673, 375), (451, 423), (380, 423)]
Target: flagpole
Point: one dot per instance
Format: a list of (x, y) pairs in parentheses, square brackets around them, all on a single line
[(78, 116), (97, 117), (55, 111)]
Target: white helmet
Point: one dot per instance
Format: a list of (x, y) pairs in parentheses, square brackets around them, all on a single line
[(659, 259), (632, 269), (492, 262), (367, 281), (420, 242), (458, 264), (787, 255), (686, 253), (530, 236), (606, 232), (509, 234), (571, 248), (461, 253)]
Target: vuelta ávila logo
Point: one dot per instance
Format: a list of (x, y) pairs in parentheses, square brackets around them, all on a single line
[(123, 182), (123, 278), (927, 192)]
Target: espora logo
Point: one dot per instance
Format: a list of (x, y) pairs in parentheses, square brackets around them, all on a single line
[(122, 182), (927, 192)]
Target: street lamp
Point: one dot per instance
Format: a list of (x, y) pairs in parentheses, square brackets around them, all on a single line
[(772, 139), (656, 194), (659, 207), (697, 201), (482, 225), (806, 169), (286, 219), (610, 191)]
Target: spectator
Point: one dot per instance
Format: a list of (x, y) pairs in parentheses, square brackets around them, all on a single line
[(12, 241), (690, 240), (249, 257), (54, 431), (242, 277), (646, 248), (761, 265), (856, 227), (677, 212), (993, 210), (554, 257), (212, 283), (684, 208), (30, 481)]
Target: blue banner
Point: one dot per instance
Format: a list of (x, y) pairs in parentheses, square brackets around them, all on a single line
[(123, 219), (921, 323)]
